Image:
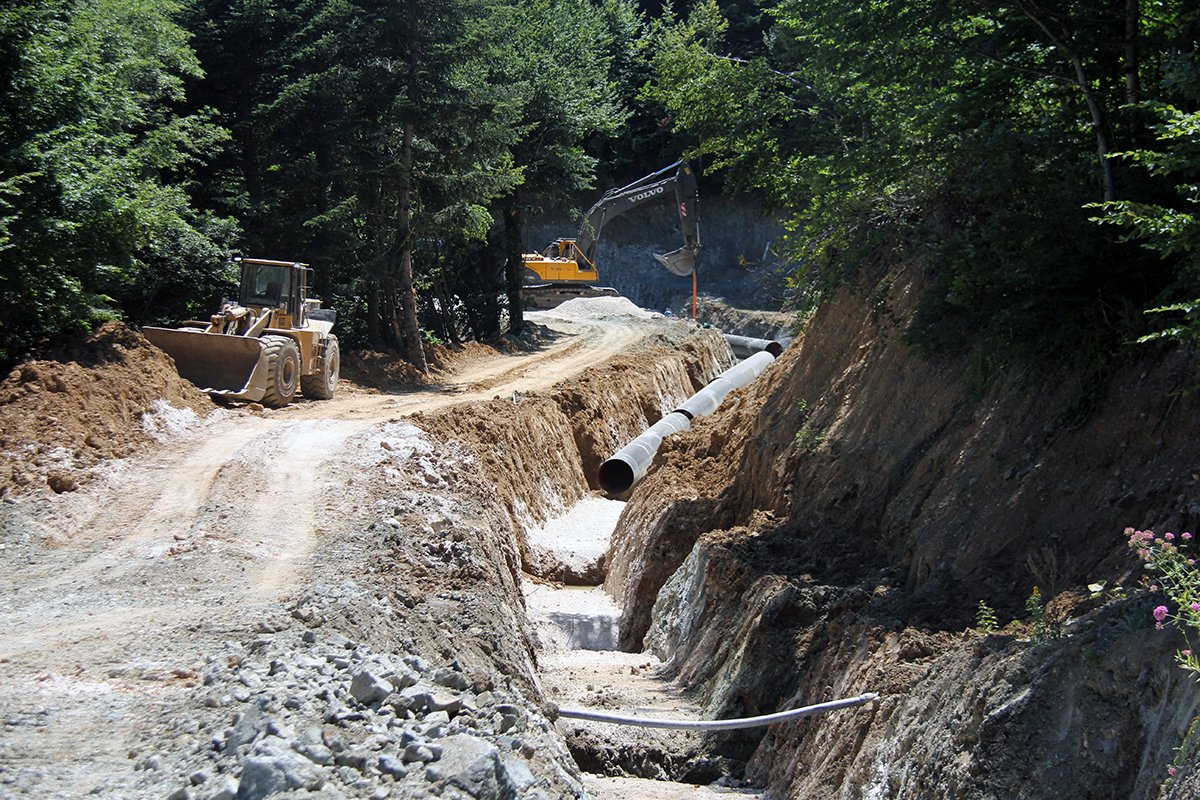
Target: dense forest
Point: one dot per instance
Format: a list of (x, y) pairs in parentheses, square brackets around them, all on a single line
[(1036, 157)]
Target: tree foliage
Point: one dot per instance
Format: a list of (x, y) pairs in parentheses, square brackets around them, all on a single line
[(383, 141), (145, 141), (972, 134), (94, 210), (397, 144), (560, 63)]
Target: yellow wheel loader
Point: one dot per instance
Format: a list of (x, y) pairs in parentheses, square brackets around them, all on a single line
[(263, 348)]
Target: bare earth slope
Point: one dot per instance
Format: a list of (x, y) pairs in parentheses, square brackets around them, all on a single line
[(856, 508)]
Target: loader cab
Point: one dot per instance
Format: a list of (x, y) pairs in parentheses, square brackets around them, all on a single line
[(273, 284)]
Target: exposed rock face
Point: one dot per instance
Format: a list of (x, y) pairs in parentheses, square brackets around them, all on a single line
[(834, 528)]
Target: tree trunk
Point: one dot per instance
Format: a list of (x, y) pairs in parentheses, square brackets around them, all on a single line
[(514, 270), (1133, 69), (1133, 80), (1099, 121), (445, 303), (1100, 124), (373, 315), (404, 277)]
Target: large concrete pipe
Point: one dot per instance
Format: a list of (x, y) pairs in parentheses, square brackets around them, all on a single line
[(619, 473), (622, 471), (745, 346)]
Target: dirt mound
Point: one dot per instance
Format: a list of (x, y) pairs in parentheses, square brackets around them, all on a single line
[(83, 403), (386, 371), (740, 322)]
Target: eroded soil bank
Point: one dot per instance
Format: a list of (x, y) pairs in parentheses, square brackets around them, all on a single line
[(859, 504)]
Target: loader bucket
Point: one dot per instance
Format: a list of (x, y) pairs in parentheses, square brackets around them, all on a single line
[(229, 366), (681, 262)]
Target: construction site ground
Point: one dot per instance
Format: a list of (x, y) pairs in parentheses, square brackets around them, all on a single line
[(369, 597), (149, 539)]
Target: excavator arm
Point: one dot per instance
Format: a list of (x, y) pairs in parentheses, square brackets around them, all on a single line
[(567, 268), (678, 178)]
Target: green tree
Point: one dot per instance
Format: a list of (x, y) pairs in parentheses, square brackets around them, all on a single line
[(1170, 228), (972, 134), (95, 170), (560, 63), (372, 133)]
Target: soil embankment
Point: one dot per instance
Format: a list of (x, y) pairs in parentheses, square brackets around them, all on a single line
[(855, 509)]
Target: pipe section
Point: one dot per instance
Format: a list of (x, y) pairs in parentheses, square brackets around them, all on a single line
[(719, 724), (739, 376), (619, 473), (745, 346), (623, 470)]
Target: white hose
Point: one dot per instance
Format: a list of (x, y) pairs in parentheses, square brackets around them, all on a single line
[(718, 724)]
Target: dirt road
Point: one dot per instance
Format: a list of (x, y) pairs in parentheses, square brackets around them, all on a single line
[(112, 595)]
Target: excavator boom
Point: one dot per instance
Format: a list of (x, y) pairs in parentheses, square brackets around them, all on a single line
[(678, 178), (567, 268)]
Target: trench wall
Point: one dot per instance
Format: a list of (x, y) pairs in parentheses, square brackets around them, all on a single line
[(543, 452), (857, 505)]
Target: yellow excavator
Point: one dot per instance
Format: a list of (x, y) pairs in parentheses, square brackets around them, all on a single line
[(270, 343), (567, 268)]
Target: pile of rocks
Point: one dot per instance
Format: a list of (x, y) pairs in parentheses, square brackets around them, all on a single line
[(327, 717)]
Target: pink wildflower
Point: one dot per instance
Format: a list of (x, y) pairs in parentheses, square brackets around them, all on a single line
[(1186, 535), (1168, 536), (1160, 613), (1171, 771), (1186, 653), (1195, 606)]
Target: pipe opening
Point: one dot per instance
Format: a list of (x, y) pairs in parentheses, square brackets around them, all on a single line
[(616, 476)]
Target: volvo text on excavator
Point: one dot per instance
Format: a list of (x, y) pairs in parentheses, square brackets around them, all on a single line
[(567, 268)]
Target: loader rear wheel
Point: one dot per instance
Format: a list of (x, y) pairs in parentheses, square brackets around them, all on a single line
[(283, 370), (321, 385)]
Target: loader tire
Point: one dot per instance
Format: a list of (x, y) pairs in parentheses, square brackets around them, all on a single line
[(283, 370), (322, 384)]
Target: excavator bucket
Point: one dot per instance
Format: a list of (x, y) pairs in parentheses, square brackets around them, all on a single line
[(228, 366), (682, 262)]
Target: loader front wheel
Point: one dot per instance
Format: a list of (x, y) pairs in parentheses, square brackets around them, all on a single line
[(322, 384), (283, 370)]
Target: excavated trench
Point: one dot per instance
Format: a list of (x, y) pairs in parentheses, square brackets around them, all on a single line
[(829, 535), (543, 453), (577, 616), (761, 604), (581, 668)]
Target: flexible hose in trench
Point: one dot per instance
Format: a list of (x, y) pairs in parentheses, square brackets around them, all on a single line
[(719, 724)]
